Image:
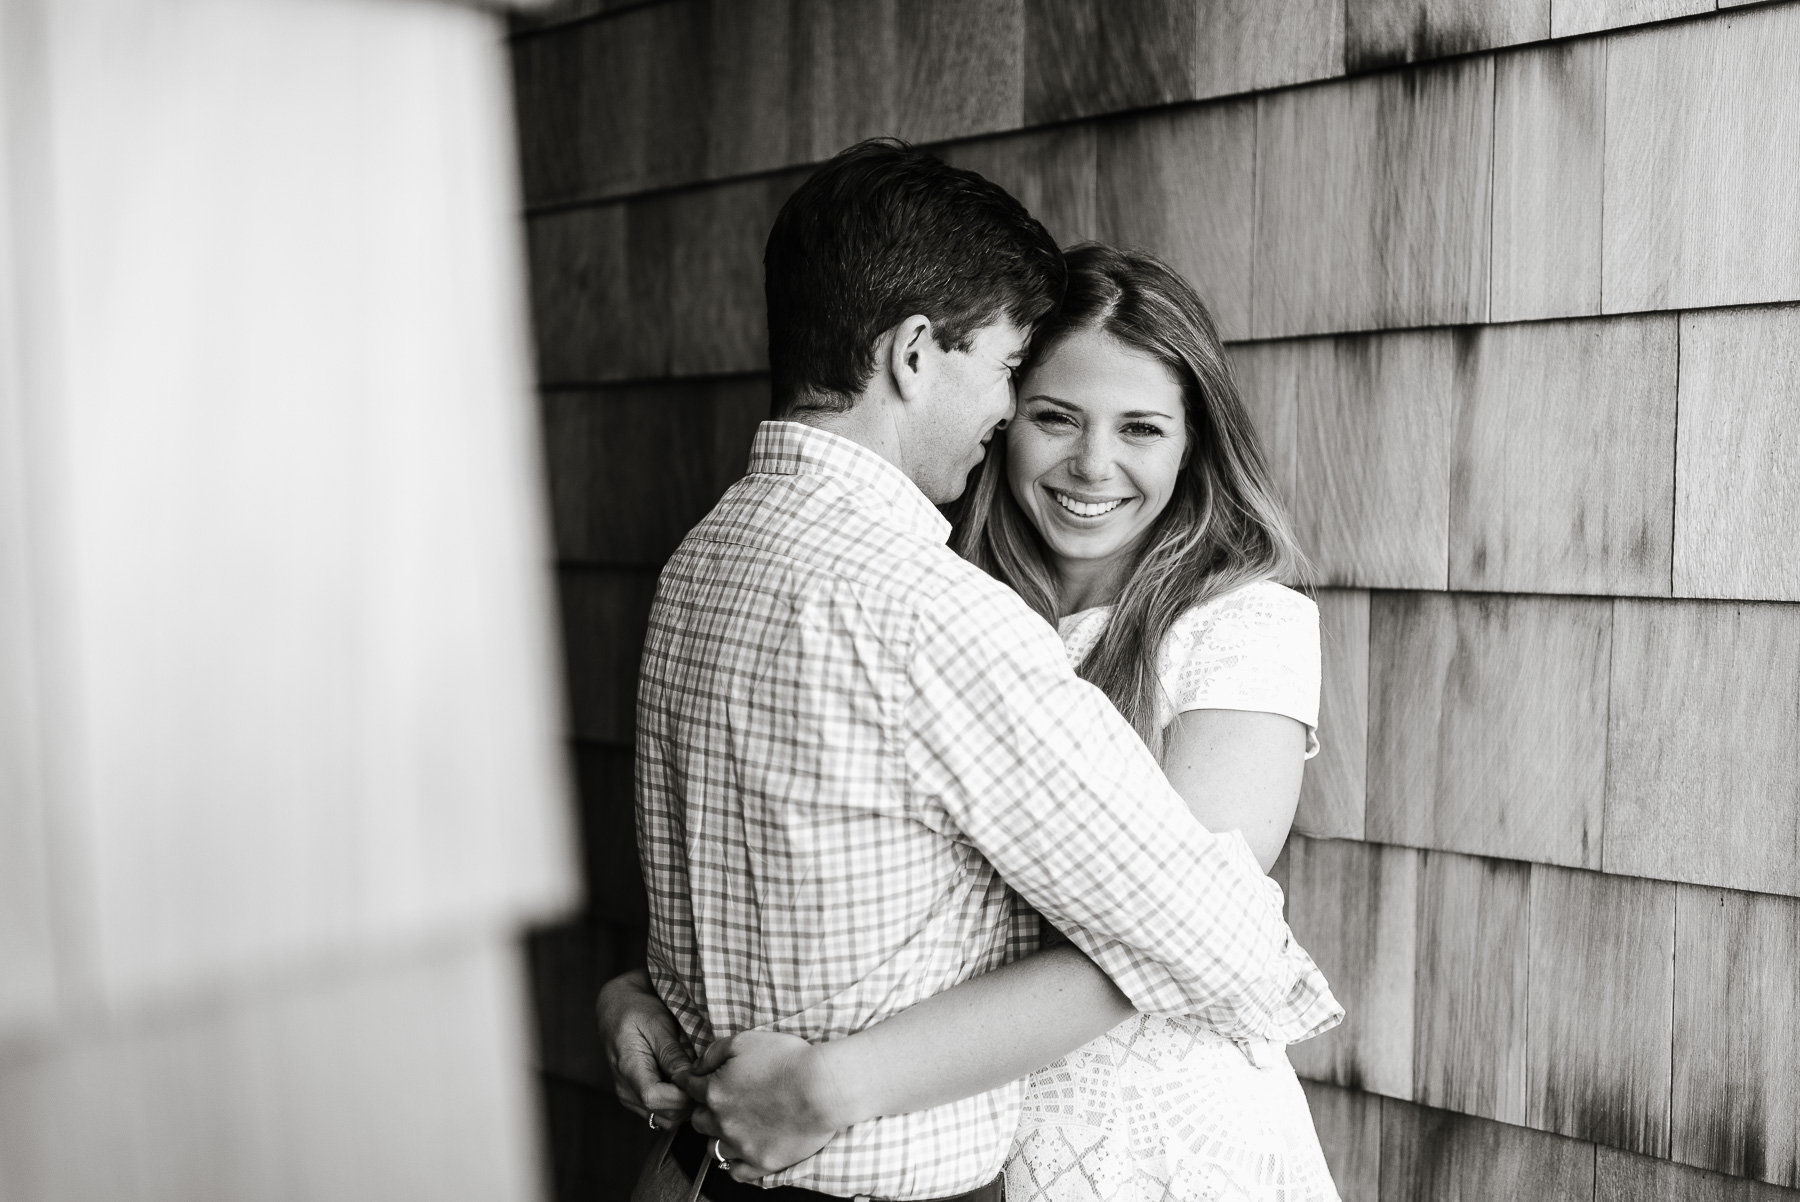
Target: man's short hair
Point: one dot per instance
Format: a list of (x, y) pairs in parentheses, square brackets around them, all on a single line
[(881, 232)]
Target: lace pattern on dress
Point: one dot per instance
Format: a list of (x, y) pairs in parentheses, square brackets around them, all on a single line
[(1254, 648), (1165, 1109)]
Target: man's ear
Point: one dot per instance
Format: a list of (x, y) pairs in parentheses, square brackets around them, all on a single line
[(911, 361)]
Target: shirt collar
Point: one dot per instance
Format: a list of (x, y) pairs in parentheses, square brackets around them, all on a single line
[(796, 449)]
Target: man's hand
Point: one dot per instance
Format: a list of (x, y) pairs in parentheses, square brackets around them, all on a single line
[(645, 1049), (771, 1100)]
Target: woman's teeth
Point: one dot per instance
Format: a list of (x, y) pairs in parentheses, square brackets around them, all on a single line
[(1086, 509)]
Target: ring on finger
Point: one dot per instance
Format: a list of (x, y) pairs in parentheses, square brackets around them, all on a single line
[(653, 1125), (719, 1155)]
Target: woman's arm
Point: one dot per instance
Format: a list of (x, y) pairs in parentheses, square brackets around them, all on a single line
[(1238, 770), (774, 1100), (772, 1096)]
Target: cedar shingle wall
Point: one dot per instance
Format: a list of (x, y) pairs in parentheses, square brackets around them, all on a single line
[(1507, 284)]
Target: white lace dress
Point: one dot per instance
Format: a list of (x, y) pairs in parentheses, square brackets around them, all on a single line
[(1162, 1108)]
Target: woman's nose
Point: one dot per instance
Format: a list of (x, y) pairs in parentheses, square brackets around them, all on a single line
[(1091, 461)]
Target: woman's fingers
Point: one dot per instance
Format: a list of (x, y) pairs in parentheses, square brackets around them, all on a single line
[(717, 1054)]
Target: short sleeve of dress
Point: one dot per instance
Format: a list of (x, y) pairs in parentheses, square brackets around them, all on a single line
[(1254, 648)]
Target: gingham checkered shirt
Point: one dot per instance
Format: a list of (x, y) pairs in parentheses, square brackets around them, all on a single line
[(850, 743)]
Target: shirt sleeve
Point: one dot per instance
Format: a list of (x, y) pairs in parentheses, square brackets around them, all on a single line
[(1256, 648), (1011, 752)]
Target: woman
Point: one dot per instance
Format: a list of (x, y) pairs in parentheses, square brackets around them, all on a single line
[(1130, 506)]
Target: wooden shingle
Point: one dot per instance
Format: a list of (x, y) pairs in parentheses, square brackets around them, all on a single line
[(1703, 747), (1472, 751), (1600, 946)]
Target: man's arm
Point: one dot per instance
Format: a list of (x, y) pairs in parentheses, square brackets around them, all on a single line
[(776, 1099), (1037, 770)]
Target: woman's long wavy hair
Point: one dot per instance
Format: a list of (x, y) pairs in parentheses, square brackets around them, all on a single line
[(1223, 526)]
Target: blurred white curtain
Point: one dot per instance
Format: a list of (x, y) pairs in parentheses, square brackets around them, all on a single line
[(279, 770)]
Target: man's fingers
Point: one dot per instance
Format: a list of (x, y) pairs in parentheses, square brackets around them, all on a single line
[(666, 1099), (696, 1086), (673, 1056), (706, 1122), (637, 1070)]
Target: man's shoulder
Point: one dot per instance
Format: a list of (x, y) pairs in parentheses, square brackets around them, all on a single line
[(821, 535)]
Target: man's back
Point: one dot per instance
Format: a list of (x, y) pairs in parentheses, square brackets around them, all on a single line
[(796, 883)]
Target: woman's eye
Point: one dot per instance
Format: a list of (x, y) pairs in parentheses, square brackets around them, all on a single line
[(1143, 430), (1051, 417)]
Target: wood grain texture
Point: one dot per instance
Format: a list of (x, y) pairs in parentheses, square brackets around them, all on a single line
[(604, 776), (1737, 1034), (614, 106), (961, 68), (1382, 33), (1602, 976), (600, 292), (557, 12), (1703, 749), (1371, 495), (1181, 185), (1354, 906), (563, 966), (1625, 1177), (1052, 172), (1349, 1126), (1701, 155), (609, 452), (398, 1082), (844, 101), (1549, 122), (1373, 202), (1436, 1156), (1569, 18), (716, 309), (1332, 793), (1469, 1034), (1737, 483), (756, 86), (1084, 57), (1467, 752), (1564, 480), (605, 613), (1249, 45), (1268, 376)]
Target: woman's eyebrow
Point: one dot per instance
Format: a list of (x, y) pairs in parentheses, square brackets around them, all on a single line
[(1133, 414)]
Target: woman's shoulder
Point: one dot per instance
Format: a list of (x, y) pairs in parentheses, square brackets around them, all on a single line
[(1253, 648), (1258, 611)]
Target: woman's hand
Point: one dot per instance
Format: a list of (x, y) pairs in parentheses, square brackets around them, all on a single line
[(771, 1100), (645, 1049)]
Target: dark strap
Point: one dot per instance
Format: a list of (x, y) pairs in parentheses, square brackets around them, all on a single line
[(691, 1149)]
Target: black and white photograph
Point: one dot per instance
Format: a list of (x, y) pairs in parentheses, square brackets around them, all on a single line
[(899, 601)]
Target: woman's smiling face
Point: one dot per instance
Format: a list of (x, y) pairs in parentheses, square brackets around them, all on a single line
[(1095, 450)]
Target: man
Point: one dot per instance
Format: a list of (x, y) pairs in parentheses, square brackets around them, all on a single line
[(857, 753)]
